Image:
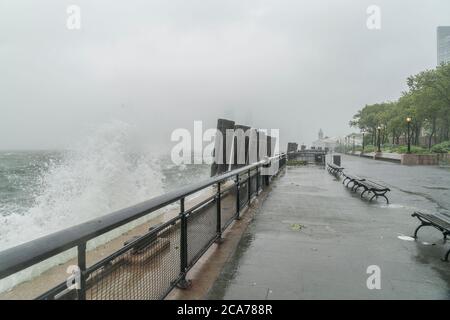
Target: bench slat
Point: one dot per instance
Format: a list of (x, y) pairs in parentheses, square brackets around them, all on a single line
[(374, 186), (438, 219)]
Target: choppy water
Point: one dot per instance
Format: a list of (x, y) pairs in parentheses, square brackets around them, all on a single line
[(45, 191)]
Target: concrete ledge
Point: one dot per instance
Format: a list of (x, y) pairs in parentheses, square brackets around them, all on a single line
[(432, 159), (392, 157), (424, 159)]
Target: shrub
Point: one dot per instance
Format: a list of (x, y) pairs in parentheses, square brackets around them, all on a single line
[(297, 163), (369, 148), (443, 147), (414, 149)]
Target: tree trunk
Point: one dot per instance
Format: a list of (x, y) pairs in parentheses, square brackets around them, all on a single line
[(433, 130), (446, 130), (417, 136)]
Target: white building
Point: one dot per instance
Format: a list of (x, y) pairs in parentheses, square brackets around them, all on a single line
[(353, 138), (325, 142)]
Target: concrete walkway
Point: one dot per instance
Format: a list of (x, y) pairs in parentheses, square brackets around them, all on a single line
[(314, 239)]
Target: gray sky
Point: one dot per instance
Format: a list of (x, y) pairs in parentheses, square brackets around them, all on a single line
[(160, 64)]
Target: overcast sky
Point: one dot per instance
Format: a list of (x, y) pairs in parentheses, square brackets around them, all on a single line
[(161, 64)]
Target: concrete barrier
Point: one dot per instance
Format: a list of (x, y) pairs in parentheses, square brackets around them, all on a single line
[(432, 159), (424, 159)]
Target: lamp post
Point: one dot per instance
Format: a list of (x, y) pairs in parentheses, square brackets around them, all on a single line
[(408, 121), (363, 131), (379, 138), (353, 144)]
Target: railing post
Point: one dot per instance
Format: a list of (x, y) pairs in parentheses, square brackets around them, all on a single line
[(183, 283), (238, 187), (81, 292), (257, 180), (249, 186), (219, 214), (266, 176)]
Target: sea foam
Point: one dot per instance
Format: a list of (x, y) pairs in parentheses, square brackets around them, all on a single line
[(98, 175)]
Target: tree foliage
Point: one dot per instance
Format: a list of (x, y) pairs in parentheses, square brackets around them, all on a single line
[(426, 102)]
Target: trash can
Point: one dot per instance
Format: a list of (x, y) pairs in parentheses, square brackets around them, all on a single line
[(337, 160)]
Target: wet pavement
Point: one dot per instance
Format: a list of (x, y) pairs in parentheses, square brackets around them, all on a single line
[(314, 239)]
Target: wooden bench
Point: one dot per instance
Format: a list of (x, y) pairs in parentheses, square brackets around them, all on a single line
[(349, 178), (369, 186), (334, 169), (439, 221)]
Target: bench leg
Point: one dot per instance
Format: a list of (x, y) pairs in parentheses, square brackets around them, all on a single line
[(423, 224), (376, 195), (384, 196), (362, 193)]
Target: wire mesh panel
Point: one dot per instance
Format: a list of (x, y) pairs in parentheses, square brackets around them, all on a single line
[(253, 183), (261, 182), (148, 269), (243, 194), (228, 207), (201, 230)]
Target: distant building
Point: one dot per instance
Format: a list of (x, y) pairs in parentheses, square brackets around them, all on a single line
[(325, 142), (353, 138), (443, 44)]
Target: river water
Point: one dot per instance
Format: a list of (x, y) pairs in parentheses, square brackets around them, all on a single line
[(45, 191)]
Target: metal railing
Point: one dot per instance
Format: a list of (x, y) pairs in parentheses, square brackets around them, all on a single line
[(153, 264)]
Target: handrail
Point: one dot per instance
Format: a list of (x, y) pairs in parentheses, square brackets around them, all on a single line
[(17, 258)]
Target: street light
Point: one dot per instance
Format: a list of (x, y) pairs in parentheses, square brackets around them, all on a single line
[(379, 140), (363, 131), (353, 143), (408, 121)]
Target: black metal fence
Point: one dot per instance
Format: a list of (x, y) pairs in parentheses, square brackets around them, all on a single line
[(153, 264)]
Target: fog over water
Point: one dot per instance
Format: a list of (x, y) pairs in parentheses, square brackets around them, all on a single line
[(160, 65)]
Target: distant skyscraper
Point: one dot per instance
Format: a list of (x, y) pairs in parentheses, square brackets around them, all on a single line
[(443, 44)]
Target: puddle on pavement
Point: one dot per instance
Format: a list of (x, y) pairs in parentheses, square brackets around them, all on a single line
[(406, 238), (435, 188), (392, 206)]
